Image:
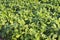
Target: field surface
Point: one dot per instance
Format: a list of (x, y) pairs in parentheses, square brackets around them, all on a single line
[(29, 19)]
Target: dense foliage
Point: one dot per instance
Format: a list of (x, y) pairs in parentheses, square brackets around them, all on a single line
[(30, 19)]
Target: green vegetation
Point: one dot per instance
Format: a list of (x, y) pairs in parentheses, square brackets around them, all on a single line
[(30, 19)]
